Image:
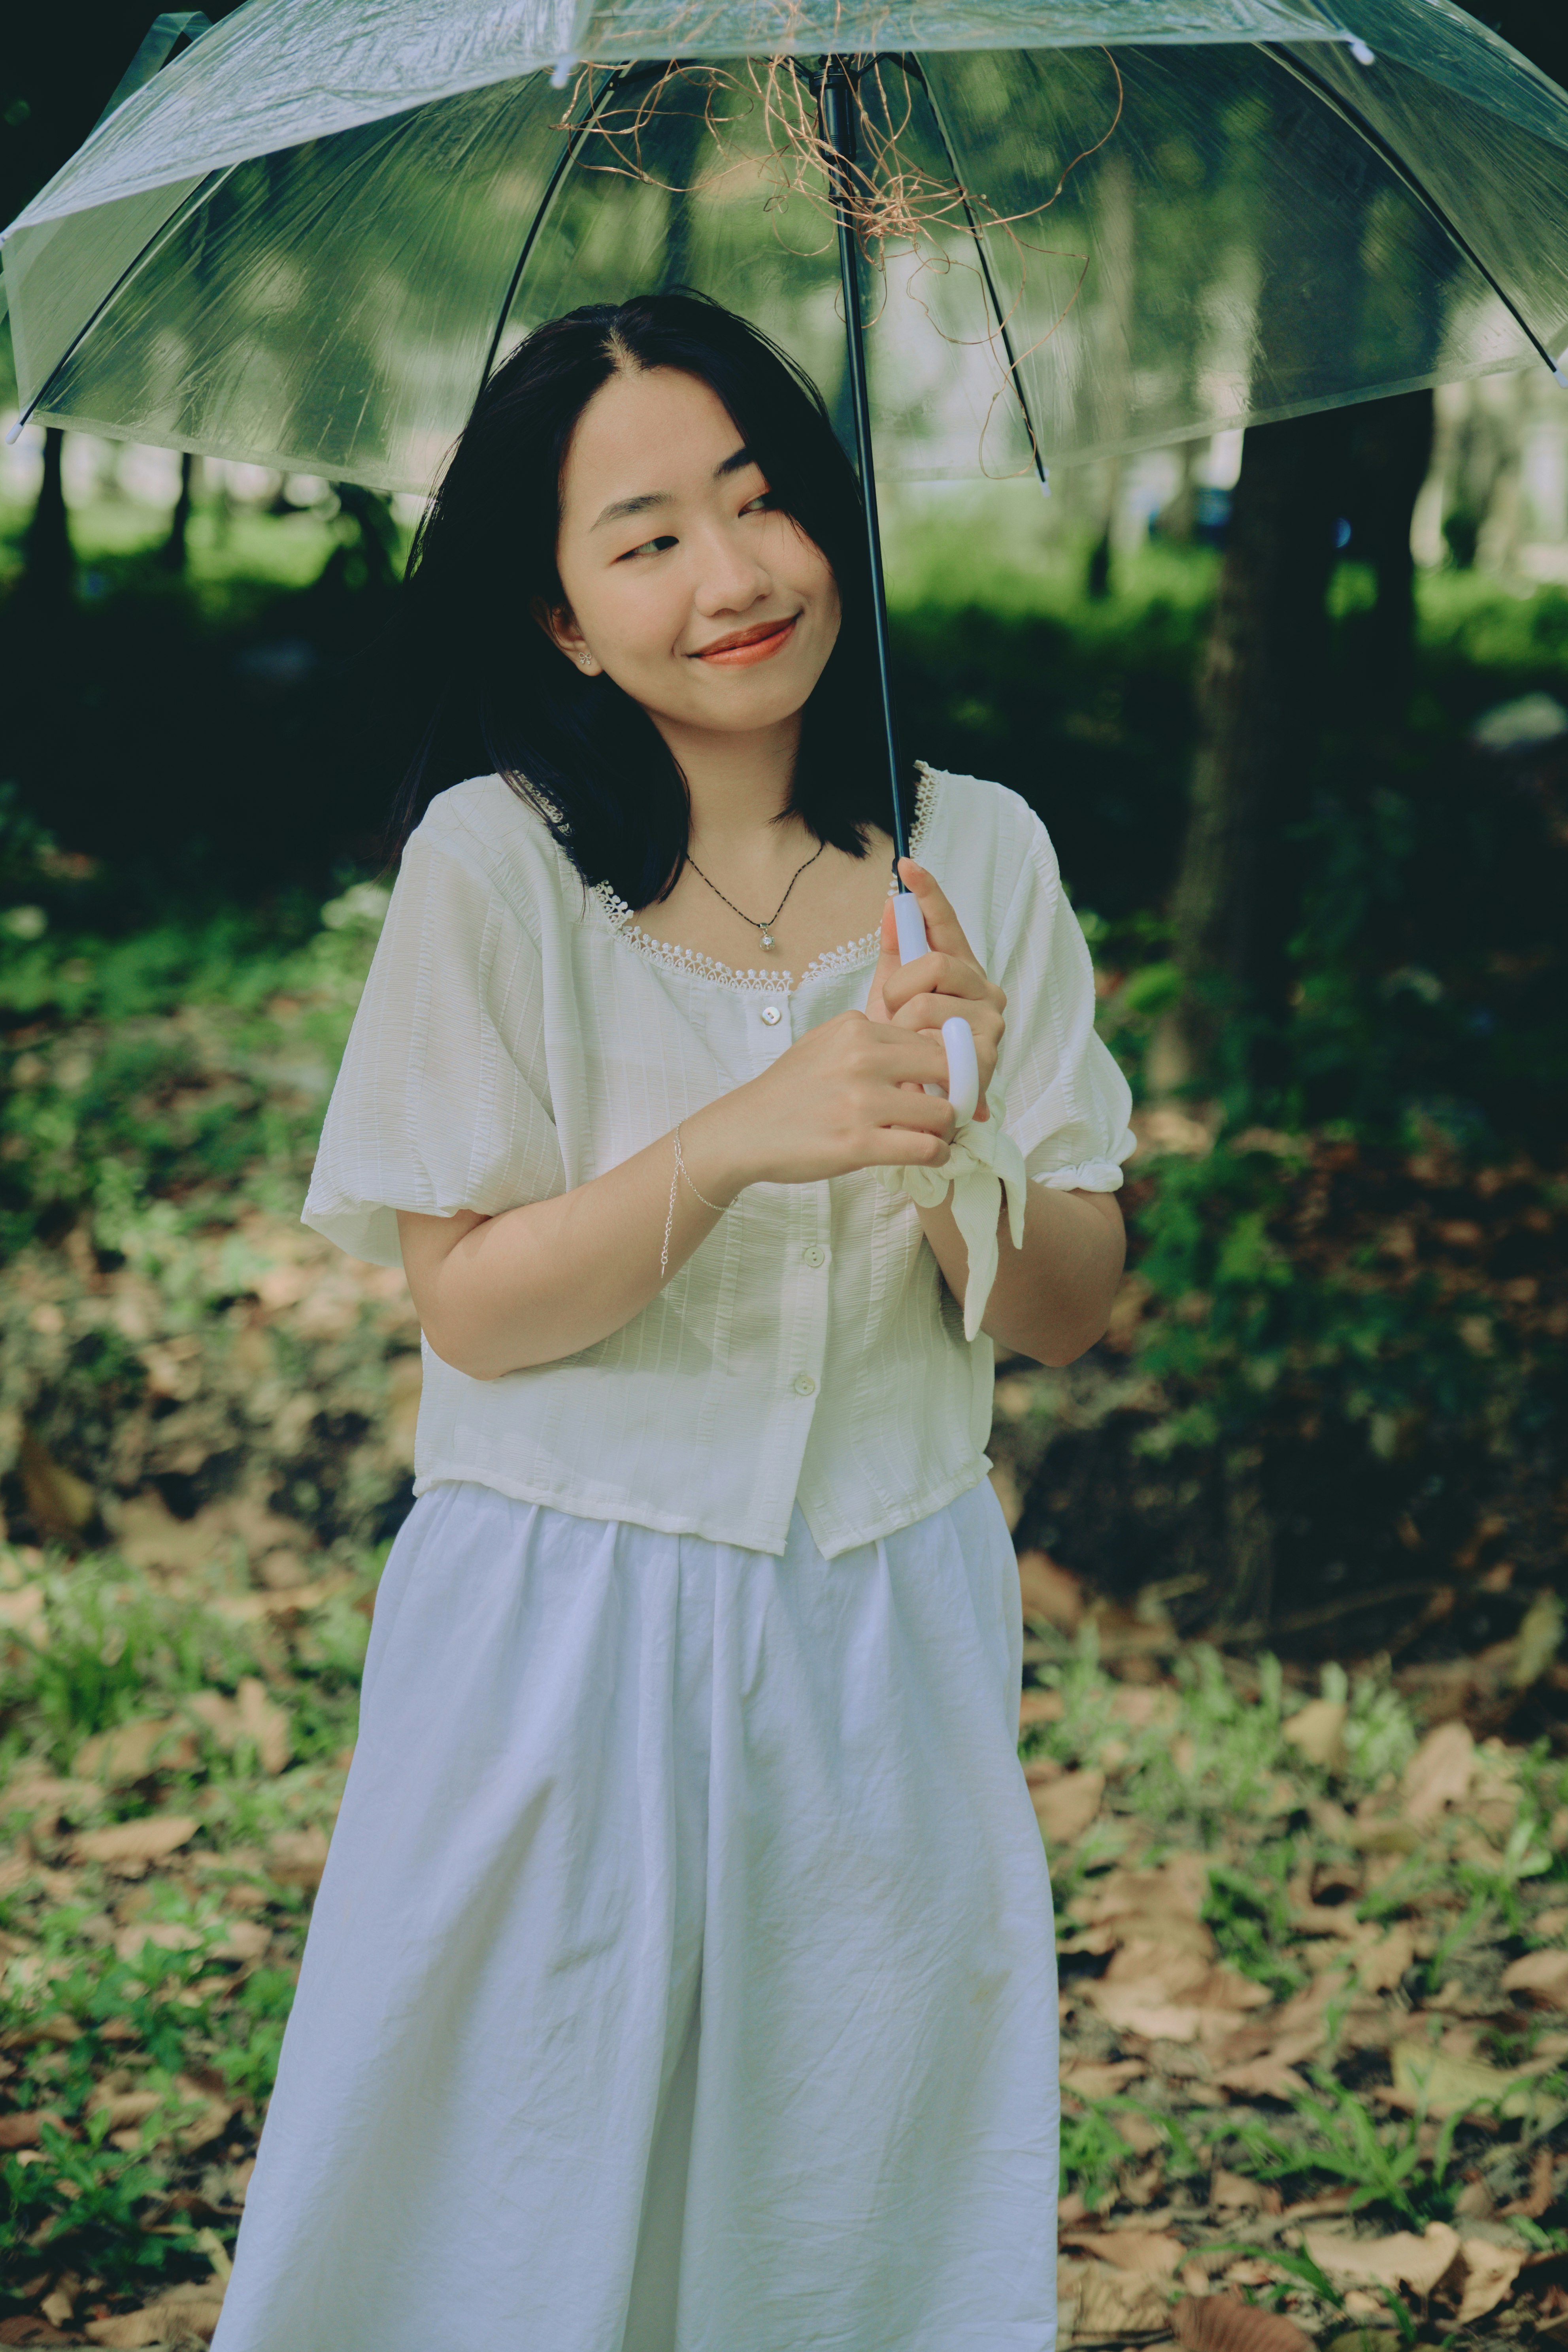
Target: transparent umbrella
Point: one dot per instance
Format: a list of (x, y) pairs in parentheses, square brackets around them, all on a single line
[(1069, 227)]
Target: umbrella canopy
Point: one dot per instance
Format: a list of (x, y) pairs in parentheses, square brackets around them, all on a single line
[(1101, 225)]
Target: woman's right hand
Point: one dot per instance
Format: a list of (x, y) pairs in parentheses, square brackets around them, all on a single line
[(845, 1095)]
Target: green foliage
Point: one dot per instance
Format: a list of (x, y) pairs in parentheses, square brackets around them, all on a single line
[(83, 2200), (252, 2033), (1093, 2153), (156, 1081), (1382, 2164), (1249, 1912)]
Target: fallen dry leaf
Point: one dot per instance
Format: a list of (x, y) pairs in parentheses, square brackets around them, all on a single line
[(164, 2322), (1066, 1806), (1152, 2250), (250, 1715), (1269, 2077), (1383, 1963), (1090, 2079), (297, 1857), (40, 1792), (1232, 2192), (1541, 2194), (1438, 1774), (1488, 2274), (1545, 1974), (1401, 2260), (1173, 1995), (27, 2129), (1178, 1889), (245, 1939), (1317, 1729), (1224, 2323), (22, 1612), (147, 1840), (165, 1935), (124, 2107), (162, 1742), (1446, 2086), (1115, 2303)]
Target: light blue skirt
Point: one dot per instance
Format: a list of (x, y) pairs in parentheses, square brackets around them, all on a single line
[(682, 1978)]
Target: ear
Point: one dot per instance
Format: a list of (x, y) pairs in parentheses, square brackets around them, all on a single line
[(559, 626)]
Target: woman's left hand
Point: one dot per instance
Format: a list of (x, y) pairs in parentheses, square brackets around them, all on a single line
[(946, 980)]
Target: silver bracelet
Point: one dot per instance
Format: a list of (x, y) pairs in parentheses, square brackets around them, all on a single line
[(679, 1171)]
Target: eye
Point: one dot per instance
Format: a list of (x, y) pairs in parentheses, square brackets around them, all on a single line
[(763, 503), (649, 547)]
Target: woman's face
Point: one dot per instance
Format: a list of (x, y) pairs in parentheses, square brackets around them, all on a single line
[(699, 599)]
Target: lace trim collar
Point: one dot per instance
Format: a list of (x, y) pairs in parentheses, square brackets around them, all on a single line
[(849, 957)]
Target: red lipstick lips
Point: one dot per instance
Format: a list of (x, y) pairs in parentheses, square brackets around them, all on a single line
[(744, 646)]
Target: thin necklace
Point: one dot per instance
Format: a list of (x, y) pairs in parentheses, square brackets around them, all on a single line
[(766, 928)]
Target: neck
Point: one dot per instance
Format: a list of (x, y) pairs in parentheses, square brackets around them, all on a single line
[(738, 784)]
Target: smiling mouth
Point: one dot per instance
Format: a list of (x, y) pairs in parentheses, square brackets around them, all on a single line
[(747, 645)]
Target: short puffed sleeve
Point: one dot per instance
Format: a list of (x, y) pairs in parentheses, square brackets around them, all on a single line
[(1068, 1104), (442, 1102)]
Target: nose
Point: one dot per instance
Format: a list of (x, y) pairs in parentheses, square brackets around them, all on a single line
[(729, 579)]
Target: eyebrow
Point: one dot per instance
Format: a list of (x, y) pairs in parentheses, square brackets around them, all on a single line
[(622, 509)]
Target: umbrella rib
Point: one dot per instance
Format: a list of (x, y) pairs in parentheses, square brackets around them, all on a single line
[(154, 245), (981, 249), (541, 213), (1349, 112)]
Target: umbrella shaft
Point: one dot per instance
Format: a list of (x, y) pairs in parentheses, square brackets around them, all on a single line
[(838, 104)]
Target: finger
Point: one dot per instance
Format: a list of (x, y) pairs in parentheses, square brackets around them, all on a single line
[(942, 975), (932, 1114), (944, 932), (887, 968), (906, 1056), (928, 1010), (904, 1147)]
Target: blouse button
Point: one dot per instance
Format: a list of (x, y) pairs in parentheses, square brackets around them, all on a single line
[(771, 1015), (814, 1255), (804, 1385)]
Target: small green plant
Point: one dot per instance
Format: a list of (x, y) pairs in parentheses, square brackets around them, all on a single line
[(1382, 2164), (1092, 2152)]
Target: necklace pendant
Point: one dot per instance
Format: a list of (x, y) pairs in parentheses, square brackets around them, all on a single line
[(767, 939)]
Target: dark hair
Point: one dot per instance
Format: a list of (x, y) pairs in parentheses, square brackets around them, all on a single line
[(498, 695)]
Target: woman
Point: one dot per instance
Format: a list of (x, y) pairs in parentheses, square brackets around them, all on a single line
[(682, 1974)]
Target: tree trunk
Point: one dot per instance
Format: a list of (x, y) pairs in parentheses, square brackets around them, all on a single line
[(172, 555), (48, 562), (1391, 451), (1259, 701)]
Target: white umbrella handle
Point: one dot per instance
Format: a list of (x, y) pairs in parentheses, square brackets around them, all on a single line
[(962, 1069)]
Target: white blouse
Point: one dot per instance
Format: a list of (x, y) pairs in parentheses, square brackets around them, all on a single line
[(519, 1034)]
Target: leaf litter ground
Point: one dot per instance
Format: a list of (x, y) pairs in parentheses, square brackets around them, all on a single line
[(1314, 1956)]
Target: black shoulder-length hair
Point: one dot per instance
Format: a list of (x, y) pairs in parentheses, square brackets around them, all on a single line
[(496, 694)]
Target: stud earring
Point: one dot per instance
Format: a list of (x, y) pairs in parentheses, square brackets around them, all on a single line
[(584, 661)]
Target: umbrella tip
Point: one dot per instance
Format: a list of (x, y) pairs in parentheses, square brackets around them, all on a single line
[(1360, 52), (1045, 481), (1562, 378), (15, 430), (563, 73)]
